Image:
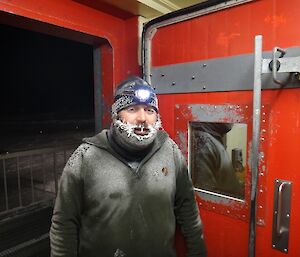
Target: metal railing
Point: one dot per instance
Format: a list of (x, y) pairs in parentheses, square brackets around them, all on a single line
[(30, 177)]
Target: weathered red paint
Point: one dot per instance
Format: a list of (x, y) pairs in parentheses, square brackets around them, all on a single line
[(281, 150), (242, 114), (227, 33), (107, 82)]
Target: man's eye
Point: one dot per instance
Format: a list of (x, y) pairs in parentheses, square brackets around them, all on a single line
[(150, 110), (130, 109)]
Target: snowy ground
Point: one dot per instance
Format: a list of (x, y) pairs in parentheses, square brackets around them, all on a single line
[(26, 135), (32, 178)]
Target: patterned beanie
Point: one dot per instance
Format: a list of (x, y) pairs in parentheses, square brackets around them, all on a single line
[(134, 91)]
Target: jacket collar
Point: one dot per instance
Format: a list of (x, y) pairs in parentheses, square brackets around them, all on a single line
[(101, 140)]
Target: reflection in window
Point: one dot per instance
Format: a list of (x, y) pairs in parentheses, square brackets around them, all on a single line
[(218, 157)]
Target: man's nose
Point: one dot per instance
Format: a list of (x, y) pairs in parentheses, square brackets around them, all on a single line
[(141, 116)]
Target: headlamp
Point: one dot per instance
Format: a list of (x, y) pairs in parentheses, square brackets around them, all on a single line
[(143, 95), (134, 91)]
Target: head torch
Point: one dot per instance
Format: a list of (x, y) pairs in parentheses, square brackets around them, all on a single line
[(134, 91), (141, 94)]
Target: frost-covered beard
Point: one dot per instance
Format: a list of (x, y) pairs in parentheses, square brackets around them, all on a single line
[(126, 136)]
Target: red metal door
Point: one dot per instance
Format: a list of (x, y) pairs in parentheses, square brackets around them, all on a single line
[(213, 42)]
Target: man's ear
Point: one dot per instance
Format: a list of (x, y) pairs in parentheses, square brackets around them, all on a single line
[(114, 116)]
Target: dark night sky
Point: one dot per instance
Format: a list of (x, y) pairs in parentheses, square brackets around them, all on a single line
[(44, 77)]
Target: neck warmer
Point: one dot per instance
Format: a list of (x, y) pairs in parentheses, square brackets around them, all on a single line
[(124, 147)]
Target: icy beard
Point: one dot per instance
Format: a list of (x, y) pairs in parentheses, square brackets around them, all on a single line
[(126, 136)]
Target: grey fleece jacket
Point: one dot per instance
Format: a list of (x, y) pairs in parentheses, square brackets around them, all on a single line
[(104, 208)]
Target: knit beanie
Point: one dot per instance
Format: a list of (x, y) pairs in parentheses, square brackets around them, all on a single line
[(134, 91)]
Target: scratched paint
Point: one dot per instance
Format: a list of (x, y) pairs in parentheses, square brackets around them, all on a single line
[(216, 113), (228, 113), (183, 142), (224, 39), (214, 198), (275, 20)]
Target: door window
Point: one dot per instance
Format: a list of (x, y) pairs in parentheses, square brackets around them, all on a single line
[(217, 157)]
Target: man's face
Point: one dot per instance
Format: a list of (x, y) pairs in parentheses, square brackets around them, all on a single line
[(141, 116)]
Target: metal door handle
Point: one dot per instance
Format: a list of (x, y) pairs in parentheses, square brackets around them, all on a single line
[(279, 227), (275, 68), (281, 215)]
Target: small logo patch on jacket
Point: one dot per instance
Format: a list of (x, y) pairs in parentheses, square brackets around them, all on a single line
[(119, 253), (165, 171)]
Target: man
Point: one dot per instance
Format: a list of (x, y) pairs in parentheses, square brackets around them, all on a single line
[(123, 190)]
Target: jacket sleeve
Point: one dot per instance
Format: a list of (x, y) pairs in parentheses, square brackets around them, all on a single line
[(186, 210), (68, 205)]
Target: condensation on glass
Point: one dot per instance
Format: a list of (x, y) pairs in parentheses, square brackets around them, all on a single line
[(218, 157)]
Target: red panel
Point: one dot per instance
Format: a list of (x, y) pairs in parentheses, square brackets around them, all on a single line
[(216, 235), (131, 53), (227, 33), (107, 82), (107, 8), (223, 239), (283, 156), (281, 148)]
